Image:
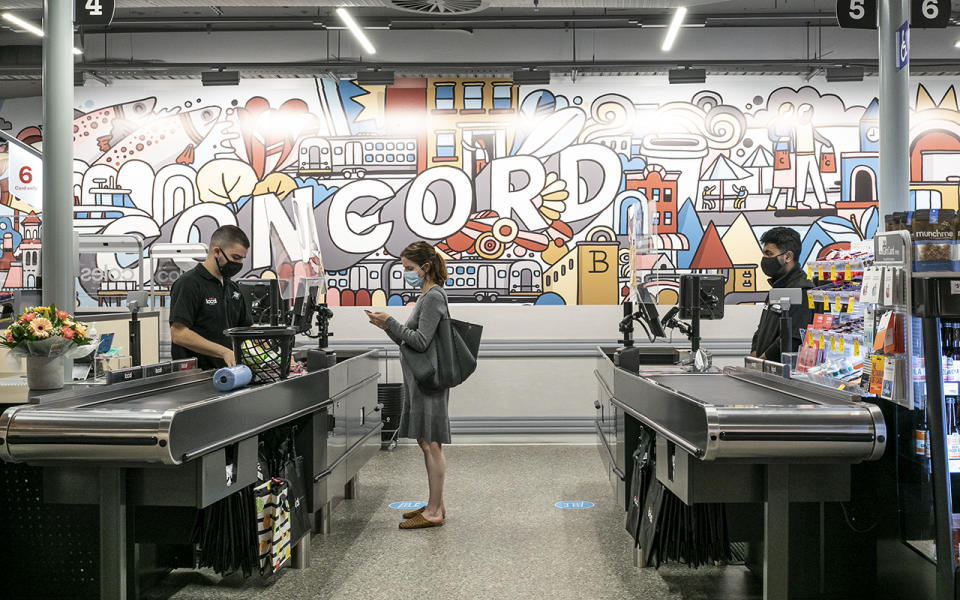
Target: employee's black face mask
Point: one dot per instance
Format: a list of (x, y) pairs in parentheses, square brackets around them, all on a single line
[(771, 266), (229, 268)]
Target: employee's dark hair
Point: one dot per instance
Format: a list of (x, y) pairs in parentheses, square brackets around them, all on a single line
[(785, 239), (423, 253), (229, 235)]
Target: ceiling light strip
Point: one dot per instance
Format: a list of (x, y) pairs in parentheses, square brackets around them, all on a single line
[(356, 30), (674, 28), (28, 26)]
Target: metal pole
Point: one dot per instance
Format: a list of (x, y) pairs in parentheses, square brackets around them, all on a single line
[(942, 495), (57, 236), (894, 176)]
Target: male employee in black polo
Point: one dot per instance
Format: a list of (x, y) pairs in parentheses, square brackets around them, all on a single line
[(781, 251), (204, 302)]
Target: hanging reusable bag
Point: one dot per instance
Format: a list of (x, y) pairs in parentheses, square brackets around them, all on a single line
[(828, 160), (781, 156)]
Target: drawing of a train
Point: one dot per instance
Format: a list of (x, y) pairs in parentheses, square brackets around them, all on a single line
[(467, 280), (358, 156)]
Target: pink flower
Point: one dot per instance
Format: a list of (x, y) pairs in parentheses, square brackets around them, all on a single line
[(28, 317), (62, 315), (9, 337), (67, 332)]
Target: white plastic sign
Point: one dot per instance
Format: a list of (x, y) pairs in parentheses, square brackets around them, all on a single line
[(26, 176), (93, 12)]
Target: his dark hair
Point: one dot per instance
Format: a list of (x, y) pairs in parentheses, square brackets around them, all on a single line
[(422, 254), (229, 235), (785, 239)]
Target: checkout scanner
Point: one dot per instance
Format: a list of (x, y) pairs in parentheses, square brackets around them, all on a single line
[(701, 297)]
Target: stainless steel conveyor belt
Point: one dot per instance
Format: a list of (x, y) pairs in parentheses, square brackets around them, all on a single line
[(170, 420)]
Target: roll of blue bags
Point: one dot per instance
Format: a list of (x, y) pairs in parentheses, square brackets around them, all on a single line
[(231, 378)]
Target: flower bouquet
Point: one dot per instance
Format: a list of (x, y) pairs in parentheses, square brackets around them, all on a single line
[(43, 335)]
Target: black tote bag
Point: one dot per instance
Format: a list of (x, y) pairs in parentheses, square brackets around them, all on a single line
[(450, 358)]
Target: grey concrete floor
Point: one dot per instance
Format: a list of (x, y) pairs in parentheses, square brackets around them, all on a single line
[(503, 539)]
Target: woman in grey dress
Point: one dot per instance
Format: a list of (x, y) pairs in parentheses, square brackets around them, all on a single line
[(424, 416)]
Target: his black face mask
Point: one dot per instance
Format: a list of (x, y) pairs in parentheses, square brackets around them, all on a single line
[(771, 266), (229, 268)]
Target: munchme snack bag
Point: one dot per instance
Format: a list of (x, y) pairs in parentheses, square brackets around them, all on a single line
[(934, 239)]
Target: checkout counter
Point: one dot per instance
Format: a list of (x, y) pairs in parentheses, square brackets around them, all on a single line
[(772, 449), (103, 484)]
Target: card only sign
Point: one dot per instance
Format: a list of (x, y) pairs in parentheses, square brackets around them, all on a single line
[(26, 176)]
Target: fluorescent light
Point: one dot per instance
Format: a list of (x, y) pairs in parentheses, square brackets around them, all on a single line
[(674, 28), (957, 44), (356, 30), (840, 74), (28, 26), (23, 24)]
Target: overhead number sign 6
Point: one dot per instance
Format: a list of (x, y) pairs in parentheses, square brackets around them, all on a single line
[(930, 13), (862, 14)]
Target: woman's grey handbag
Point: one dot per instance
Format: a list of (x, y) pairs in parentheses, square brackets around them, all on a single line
[(450, 357)]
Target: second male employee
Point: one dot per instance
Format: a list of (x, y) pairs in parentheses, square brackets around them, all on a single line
[(204, 301), (781, 251)]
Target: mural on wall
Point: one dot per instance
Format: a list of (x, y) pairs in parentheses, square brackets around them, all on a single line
[(526, 191)]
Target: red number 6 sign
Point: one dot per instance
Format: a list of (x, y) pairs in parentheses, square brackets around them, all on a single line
[(26, 175)]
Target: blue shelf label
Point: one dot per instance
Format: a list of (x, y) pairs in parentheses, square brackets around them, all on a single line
[(574, 504), (408, 505)]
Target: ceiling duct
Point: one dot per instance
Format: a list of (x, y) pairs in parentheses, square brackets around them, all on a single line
[(375, 77), (212, 78), (531, 77), (843, 74), (439, 7), (687, 75)]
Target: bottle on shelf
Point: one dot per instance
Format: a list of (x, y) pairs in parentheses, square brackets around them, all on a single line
[(953, 436), (921, 433)]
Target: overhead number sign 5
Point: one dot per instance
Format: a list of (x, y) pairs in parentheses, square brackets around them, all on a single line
[(857, 14), (862, 14), (93, 12)]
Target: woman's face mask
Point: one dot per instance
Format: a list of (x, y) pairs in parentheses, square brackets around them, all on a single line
[(413, 278)]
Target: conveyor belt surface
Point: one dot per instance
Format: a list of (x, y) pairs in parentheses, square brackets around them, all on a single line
[(722, 390), (168, 420), (743, 415)]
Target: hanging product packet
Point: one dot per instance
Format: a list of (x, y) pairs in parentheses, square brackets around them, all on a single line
[(934, 237)]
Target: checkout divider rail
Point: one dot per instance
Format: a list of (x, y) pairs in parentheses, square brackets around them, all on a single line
[(679, 441), (277, 422)]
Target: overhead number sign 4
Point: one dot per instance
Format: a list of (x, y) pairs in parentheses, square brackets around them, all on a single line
[(93, 12)]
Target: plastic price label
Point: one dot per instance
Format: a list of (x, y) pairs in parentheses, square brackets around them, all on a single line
[(826, 303), (833, 344), (838, 303), (833, 271), (856, 347), (842, 386), (841, 344), (810, 302), (850, 303), (847, 274), (822, 344), (820, 271), (809, 271)]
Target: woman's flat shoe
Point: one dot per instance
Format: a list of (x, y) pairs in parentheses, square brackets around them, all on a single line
[(419, 522), (413, 513)]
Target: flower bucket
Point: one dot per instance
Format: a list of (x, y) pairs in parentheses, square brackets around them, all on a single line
[(44, 373)]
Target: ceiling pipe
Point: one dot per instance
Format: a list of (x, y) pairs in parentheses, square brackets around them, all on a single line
[(144, 69)]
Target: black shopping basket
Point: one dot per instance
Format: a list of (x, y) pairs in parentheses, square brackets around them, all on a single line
[(266, 350)]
